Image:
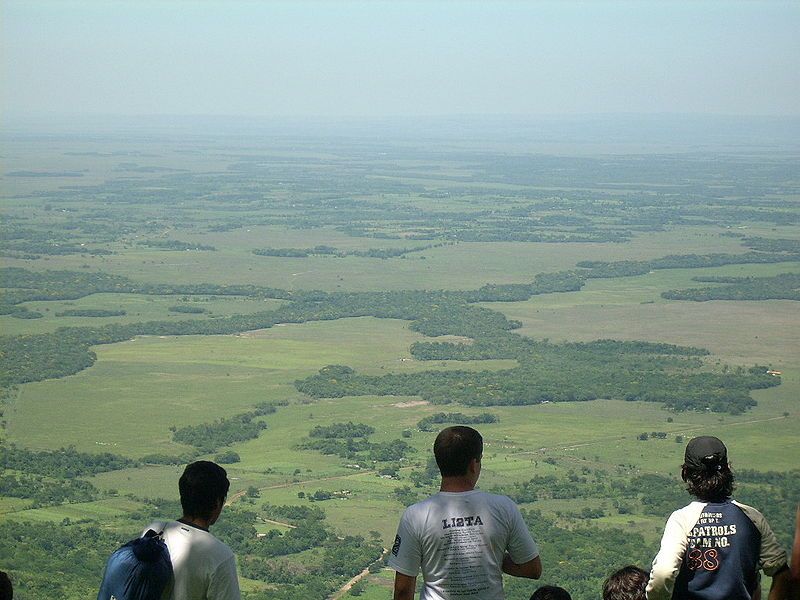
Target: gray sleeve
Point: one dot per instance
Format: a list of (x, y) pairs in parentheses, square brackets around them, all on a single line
[(773, 556), (224, 584), (521, 546)]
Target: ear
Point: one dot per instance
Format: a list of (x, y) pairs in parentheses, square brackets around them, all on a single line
[(683, 473)]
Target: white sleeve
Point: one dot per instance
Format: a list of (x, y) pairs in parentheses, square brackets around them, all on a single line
[(521, 546), (406, 554), (224, 583), (667, 562)]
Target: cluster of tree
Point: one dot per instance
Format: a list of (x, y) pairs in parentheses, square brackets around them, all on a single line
[(23, 285), (46, 491), (265, 558), (342, 430), (174, 245), (454, 418), (656, 435), (65, 463), (628, 268), (208, 437), (227, 457), (561, 373), (785, 286), (19, 312), (772, 244), (293, 513), (360, 450), (586, 555), (33, 250), (547, 372), (383, 253), (90, 312), (186, 309), (167, 459), (56, 560)]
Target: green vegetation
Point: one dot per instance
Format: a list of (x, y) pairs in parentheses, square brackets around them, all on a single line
[(63, 463), (89, 312), (174, 245), (542, 286), (382, 253), (210, 437), (191, 310), (454, 418), (785, 286)]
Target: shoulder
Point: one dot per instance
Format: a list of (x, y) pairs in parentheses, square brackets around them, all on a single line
[(692, 508), (746, 509), (159, 526), (498, 500), (687, 516), (422, 507), (753, 514)]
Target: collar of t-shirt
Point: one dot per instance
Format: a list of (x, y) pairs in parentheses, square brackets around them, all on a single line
[(192, 525)]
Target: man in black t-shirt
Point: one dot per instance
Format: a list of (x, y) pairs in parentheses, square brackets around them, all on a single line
[(714, 548)]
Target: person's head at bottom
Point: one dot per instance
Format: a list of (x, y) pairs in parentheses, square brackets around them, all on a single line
[(551, 592), (203, 488), (6, 589), (706, 469), (628, 583)]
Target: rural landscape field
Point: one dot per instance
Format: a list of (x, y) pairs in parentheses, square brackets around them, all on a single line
[(309, 310)]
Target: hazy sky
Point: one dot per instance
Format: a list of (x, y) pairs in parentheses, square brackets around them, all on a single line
[(399, 58)]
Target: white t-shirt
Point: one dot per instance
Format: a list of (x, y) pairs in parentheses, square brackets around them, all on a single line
[(204, 568), (458, 539)]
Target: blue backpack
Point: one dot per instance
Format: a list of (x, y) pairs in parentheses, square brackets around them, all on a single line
[(139, 570)]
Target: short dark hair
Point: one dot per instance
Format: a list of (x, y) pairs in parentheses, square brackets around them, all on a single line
[(709, 484), (455, 447), (627, 583), (551, 592), (203, 487), (6, 589)]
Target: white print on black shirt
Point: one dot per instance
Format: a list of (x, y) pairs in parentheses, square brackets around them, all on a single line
[(706, 537)]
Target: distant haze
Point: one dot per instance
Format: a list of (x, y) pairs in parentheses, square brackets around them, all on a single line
[(400, 58)]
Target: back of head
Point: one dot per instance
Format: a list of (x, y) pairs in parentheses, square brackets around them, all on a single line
[(628, 583), (455, 447), (6, 589), (706, 470), (203, 488), (551, 592)]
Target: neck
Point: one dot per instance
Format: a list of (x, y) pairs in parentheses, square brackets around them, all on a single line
[(463, 483), (198, 522)]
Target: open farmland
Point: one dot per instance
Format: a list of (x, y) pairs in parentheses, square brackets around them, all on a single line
[(210, 297)]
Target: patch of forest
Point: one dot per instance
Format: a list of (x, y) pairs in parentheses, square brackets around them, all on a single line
[(526, 198), (382, 253), (785, 286), (90, 312), (350, 441), (175, 245), (547, 372)]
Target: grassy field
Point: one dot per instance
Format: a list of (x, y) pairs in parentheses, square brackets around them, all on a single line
[(136, 390)]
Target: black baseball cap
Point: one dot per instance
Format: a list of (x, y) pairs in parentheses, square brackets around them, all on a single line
[(705, 451)]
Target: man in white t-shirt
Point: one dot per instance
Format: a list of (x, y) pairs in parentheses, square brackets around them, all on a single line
[(204, 568), (462, 539)]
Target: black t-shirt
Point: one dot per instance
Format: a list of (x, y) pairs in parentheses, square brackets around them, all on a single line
[(722, 557)]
